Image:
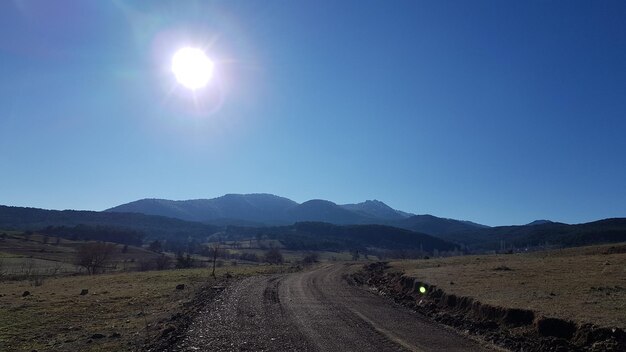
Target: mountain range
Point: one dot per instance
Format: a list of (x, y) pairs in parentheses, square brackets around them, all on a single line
[(271, 210), (133, 228), (267, 211), (312, 224)]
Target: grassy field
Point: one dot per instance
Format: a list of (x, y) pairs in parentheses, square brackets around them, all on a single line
[(292, 256), (124, 308), (586, 284), (260, 247), (19, 253)]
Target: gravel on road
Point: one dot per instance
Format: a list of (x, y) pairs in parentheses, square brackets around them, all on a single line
[(314, 310)]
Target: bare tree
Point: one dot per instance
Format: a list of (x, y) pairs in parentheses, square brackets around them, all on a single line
[(355, 254), (3, 271), (56, 268), (162, 262), (94, 256), (156, 246), (144, 265), (27, 268), (215, 248)]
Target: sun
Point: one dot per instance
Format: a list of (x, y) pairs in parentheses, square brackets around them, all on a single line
[(192, 68)]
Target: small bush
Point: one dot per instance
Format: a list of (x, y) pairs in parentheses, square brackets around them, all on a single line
[(162, 262), (184, 262), (251, 257), (274, 256), (144, 265), (311, 258), (36, 279)]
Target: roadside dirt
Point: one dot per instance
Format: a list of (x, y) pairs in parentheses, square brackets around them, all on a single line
[(314, 310), (174, 329), (514, 329)]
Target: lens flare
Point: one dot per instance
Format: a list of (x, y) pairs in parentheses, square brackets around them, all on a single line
[(192, 68)]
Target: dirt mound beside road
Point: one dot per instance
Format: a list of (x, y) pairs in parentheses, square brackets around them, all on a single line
[(512, 328)]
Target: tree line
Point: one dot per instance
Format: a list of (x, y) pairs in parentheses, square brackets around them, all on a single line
[(96, 233)]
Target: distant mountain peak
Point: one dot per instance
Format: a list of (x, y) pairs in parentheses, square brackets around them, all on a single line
[(319, 201), (539, 222), (373, 201), (375, 209)]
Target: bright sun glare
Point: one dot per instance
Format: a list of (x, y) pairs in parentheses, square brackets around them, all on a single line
[(192, 68)]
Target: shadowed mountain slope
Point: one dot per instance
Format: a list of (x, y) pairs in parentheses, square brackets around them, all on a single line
[(311, 235), (376, 209), (19, 218), (323, 211), (263, 209), (324, 236), (433, 225), (250, 208)]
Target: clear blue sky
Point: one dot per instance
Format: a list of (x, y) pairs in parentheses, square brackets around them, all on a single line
[(499, 112)]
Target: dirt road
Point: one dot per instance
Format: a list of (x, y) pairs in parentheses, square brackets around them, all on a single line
[(313, 311)]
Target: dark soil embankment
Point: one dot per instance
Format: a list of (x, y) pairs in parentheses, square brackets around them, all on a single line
[(173, 329), (511, 328)]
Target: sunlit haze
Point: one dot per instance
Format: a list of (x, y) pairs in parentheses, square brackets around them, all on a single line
[(192, 68)]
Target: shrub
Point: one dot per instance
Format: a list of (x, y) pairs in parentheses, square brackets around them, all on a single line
[(251, 257), (184, 262), (311, 258), (274, 256), (162, 262)]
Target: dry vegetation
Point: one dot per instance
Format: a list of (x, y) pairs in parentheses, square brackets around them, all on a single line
[(120, 310), (18, 251), (586, 284), (56, 317), (260, 248)]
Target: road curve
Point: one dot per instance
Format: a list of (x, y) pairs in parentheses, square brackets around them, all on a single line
[(314, 310)]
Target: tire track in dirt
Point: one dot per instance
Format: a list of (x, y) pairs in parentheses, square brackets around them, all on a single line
[(246, 316), (313, 310)]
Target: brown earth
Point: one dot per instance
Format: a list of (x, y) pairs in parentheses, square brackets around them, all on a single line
[(585, 284), (511, 328), (314, 310)]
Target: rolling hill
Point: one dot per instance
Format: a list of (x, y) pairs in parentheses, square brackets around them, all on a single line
[(357, 229), (541, 234), (330, 237), (301, 235), (151, 226), (436, 226)]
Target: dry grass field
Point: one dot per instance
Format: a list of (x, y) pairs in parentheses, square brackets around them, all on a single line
[(46, 256), (292, 256), (259, 248), (119, 312), (586, 284)]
